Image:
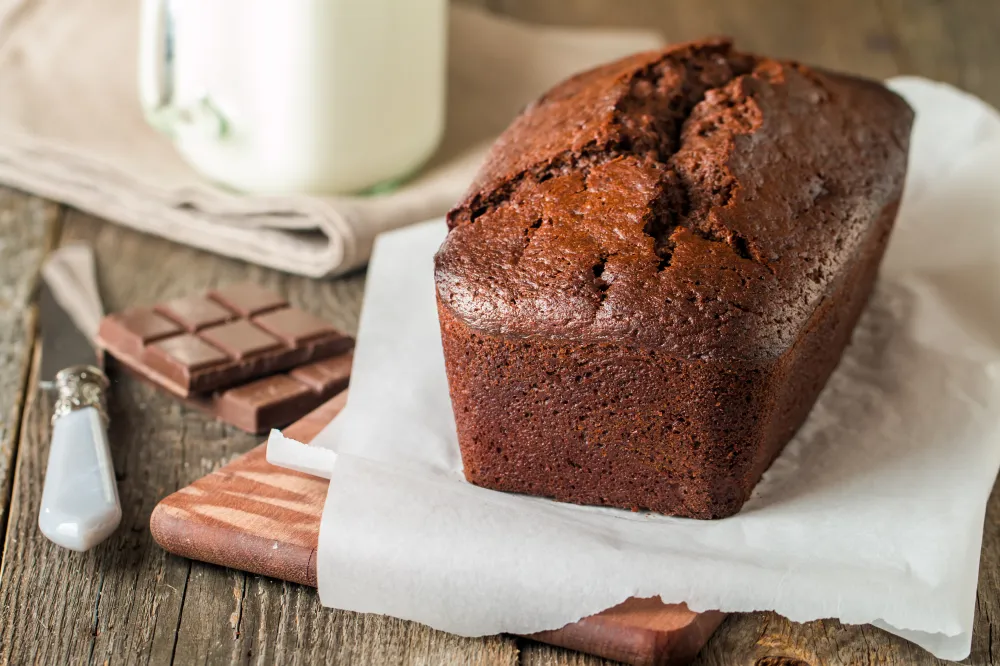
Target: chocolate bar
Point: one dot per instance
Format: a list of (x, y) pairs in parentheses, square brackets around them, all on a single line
[(270, 402), (205, 343), (240, 353), (279, 400)]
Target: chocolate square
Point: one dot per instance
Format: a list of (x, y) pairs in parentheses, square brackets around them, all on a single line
[(247, 298), (274, 399), (195, 312), (328, 377), (145, 324), (187, 352), (134, 328), (240, 339), (295, 326)]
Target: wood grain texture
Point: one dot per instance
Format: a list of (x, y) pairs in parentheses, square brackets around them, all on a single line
[(954, 41), (256, 517), (27, 228), (232, 618), (127, 601), (973, 27), (846, 34), (639, 631), (250, 515)]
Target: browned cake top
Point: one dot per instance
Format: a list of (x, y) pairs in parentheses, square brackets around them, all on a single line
[(695, 199)]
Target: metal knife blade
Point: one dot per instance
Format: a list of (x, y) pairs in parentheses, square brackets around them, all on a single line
[(80, 505), (63, 344)]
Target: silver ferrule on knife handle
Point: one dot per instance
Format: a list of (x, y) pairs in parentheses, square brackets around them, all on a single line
[(78, 387)]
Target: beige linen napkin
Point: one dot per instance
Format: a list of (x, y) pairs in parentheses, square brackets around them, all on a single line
[(71, 129)]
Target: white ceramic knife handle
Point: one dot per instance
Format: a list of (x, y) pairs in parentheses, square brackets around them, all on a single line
[(80, 506)]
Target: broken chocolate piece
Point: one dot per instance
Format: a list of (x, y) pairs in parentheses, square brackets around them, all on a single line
[(274, 399)]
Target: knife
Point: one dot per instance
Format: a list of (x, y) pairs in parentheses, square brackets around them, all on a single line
[(80, 505)]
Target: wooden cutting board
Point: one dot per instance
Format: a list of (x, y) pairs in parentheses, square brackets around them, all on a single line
[(256, 517)]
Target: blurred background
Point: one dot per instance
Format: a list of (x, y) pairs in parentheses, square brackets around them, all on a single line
[(948, 40)]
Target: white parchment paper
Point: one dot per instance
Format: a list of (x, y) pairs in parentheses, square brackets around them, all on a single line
[(873, 513)]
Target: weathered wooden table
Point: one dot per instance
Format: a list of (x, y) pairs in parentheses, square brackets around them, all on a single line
[(128, 601)]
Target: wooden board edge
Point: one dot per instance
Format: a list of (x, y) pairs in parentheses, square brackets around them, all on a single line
[(607, 634), (230, 548)]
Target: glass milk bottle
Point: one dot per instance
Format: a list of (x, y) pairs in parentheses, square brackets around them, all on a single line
[(277, 96)]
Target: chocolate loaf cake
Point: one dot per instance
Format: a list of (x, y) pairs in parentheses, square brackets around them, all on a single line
[(656, 271)]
